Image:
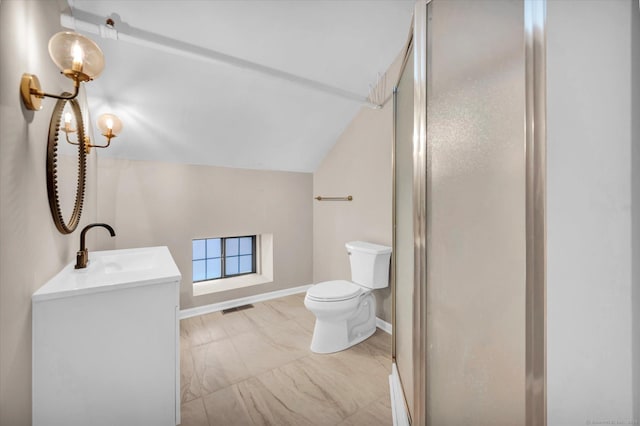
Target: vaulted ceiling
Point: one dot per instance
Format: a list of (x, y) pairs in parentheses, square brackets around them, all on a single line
[(294, 75)]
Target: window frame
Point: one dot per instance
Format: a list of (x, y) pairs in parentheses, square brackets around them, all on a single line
[(223, 258)]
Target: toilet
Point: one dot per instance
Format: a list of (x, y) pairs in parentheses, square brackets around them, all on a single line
[(346, 310)]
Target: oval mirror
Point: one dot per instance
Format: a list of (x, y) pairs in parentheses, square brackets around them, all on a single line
[(66, 164)]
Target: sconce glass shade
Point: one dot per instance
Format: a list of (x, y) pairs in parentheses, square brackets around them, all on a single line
[(77, 56), (109, 125)]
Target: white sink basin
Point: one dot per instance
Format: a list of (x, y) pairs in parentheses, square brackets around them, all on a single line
[(137, 260), (112, 269)]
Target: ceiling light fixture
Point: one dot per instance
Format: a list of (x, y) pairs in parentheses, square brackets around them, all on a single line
[(78, 57)]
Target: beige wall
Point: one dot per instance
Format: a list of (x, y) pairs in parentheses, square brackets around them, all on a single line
[(154, 203), (359, 164), (31, 249)]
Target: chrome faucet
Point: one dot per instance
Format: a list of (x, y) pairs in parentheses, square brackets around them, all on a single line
[(82, 257)]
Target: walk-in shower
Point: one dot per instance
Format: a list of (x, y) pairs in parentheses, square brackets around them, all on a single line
[(469, 215)]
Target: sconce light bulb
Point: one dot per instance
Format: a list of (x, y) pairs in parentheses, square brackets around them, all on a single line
[(67, 123), (109, 124), (78, 56)]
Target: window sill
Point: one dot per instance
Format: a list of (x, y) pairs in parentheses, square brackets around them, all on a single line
[(225, 284)]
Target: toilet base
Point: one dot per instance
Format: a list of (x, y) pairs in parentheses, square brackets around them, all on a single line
[(333, 336)]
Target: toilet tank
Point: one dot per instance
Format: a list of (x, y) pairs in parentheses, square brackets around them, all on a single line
[(369, 264)]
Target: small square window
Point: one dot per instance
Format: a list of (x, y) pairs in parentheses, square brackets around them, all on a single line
[(246, 264), (199, 249), (214, 247), (246, 245), (214, 268), (199, 270), (215, 258)]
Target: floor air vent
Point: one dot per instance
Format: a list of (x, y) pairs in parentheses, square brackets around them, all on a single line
[(236, 309)]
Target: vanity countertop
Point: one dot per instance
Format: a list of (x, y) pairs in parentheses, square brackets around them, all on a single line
[(110, 270)]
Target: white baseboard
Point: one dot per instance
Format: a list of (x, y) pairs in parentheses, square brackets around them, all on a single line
[(384, 326), (398, 405), (215, 307)]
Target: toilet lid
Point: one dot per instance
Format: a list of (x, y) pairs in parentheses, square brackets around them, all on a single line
[(334, 291)]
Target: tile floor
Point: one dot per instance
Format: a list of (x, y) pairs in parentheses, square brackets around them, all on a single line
[(254, 367)]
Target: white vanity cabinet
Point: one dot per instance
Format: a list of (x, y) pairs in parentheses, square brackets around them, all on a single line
[(106, 342)]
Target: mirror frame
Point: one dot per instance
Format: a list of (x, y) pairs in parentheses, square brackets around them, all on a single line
[(65, 226)]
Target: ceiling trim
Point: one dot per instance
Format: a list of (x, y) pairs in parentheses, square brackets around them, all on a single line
[(177, 47)]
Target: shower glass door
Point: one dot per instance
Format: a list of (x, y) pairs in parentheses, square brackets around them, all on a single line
[(475, 247), (403, 229)]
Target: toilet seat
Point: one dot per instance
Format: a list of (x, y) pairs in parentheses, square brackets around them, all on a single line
[(334, 291)]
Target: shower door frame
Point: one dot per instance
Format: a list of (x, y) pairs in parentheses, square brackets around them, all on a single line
[(417, 43), (535, 12), (420, 63)]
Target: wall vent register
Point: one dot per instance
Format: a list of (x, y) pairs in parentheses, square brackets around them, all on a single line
[(216, 258)]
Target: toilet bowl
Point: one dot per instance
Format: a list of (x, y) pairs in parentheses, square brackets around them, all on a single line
[(345, 311)]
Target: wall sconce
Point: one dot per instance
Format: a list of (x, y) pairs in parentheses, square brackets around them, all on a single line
[(78, 58), (109, 124)]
